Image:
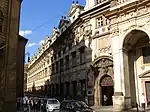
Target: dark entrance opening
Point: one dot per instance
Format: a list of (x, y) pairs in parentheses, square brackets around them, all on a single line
[(147, 85), (107, 90)]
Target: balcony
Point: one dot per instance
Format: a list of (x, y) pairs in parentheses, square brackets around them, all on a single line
[(115, 4)]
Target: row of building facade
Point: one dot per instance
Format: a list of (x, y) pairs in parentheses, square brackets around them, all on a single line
[(101, 49)]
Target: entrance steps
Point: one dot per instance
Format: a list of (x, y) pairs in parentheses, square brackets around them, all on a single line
[(110, 109)]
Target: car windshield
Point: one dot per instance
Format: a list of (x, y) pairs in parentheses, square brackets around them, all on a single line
[(81, 104), (53, 102)]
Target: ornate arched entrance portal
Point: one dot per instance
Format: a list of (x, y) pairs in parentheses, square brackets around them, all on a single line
[(107, 89), (103, 71)]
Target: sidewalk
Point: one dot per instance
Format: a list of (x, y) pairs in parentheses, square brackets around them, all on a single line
[(110, 109)]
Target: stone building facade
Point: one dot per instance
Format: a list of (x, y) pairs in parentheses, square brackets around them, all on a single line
[(39, 68), (115, 62), (11, 55)]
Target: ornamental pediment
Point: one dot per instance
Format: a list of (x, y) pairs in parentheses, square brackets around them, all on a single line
[(145, 74), (102, 62)]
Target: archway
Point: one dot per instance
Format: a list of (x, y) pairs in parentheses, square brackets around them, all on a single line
[(107, 89), (103, 71), (132, 56)]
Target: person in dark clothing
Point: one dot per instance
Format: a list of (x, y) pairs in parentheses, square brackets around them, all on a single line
[(38, 105)]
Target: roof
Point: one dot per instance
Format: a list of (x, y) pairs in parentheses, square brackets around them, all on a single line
[(74, 7), (62, 22), (23, 38)]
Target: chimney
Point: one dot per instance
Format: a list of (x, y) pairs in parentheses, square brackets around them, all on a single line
[(77, 3), (64, 17)]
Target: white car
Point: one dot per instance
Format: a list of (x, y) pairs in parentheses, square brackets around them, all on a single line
[(52, 105)]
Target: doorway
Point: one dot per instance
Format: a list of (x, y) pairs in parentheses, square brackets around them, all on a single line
[(107, 90), (147, 86)]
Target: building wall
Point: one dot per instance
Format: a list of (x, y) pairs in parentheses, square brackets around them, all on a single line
[(10, 10), (39, 71), (113, 34), (20, 66)]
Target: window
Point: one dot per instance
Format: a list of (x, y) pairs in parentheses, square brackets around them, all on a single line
[(57, 66), (61, 64), (100, 22), (59, 53), (82, 55), (48, 61), (73, 58), (53, 68), (73, 17), (64, 50), (146, 54), (51, 59), (67, 62), (1, 21), (55, 56), (70, 45), (81, 30), (46, 72)]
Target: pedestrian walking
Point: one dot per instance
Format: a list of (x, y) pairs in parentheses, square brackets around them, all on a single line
[(143, 100), (25, 103), (105, 100)]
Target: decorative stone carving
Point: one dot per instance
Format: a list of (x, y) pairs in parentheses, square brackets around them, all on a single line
[(87, 35), (133, 14), (103, 65), (115, 32), (105, 49)]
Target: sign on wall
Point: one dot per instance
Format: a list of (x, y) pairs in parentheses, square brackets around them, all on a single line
[(90, 79)]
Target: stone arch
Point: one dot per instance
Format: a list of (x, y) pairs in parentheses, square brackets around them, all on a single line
[(102, 66), (132, 28), (131, 42)]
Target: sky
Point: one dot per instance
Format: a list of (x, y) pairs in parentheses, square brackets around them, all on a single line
[(38, 17)]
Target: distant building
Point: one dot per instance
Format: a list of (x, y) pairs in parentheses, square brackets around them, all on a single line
[(101, 50), (25, 77), (12, 47), (39, 69)]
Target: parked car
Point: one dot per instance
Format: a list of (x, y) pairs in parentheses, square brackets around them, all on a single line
[(74, 106), (52, 105)]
